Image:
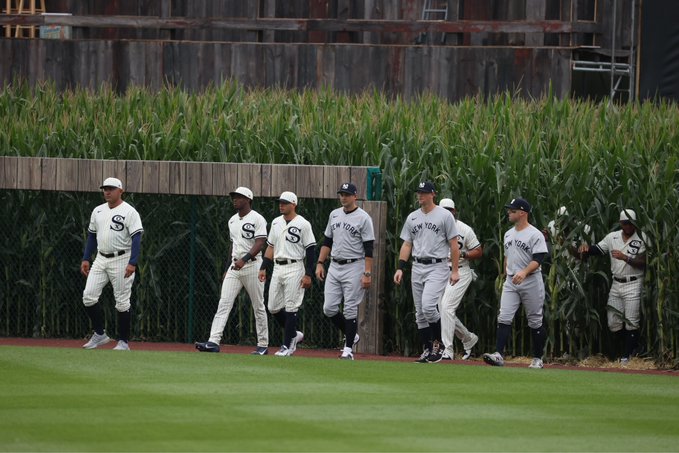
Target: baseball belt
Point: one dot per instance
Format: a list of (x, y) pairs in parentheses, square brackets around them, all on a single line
[(284, 262), (625, 279), (429, 260), (111, 255), (345, 261)]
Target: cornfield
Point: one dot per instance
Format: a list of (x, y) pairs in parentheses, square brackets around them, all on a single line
[(590, 157)]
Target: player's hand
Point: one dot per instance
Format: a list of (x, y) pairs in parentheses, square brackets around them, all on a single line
[(306, 282), (85, 268), (398, 276), (454, 278), (238, 265), (584, 248), (320, 272), (262, 275), (519, 277), (129, 270), (366, 282), (618, 255)]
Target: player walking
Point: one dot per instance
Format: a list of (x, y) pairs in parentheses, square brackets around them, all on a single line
[(451, 326), (430, 234), (291, 242), (247, 230), (525, 249), (627, 250), (115, 231), (350, 236)]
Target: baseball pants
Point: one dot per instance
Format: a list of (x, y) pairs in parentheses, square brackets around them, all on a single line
[(530, 293), (285, 290), (428, 284), (344, 282), (623, 305), (109, 269), (451, 326), (233, 282)]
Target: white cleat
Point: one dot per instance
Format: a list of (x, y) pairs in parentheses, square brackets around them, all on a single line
[(284, 352), (347, 354), (293, 343), (469, 345), (122, 346), (357, 338), (494, 359), (97, 340), (536, 363)]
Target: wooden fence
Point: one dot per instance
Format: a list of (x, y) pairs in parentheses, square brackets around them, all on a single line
[(218, 179)]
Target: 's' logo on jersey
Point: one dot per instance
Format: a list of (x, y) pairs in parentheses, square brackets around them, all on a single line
[(634, 247), (117, 223), (294, 235), (248, 230)]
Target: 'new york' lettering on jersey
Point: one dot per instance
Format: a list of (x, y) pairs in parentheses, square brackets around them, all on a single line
[(520, 246), (430, 233), (115, 227), (348, 232), (291, 239), (243, 231)]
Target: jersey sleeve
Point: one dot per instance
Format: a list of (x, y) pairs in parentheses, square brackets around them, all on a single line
[(260, 227), (271, 239), (309, 239), (405, 232), (450, 227), (367, 231), (92, 227), (471, 241), (605, 244), (328, 227), (134, 226), (539, 245)]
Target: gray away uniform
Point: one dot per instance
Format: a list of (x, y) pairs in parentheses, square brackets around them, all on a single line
[(430, 234), (348, 232)]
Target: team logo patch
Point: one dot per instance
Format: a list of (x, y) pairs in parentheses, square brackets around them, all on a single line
[(345, 186), (294, 235), (117, 223), (248, 230), (421, 185)]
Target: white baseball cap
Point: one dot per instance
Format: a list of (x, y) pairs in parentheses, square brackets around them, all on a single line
[(288, 197), (247, 193), (447, 203), (112, 182), (628, 215), (562, 211)]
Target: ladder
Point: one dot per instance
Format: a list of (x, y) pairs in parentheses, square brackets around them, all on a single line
[(433, 10), (28, 7)]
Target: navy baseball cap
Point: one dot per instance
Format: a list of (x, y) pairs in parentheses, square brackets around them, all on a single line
[(347, 187), (426, 187), (519, 204)]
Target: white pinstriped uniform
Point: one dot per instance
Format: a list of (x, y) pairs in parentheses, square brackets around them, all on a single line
[(289, 241), (243, 232), (451, 326), (114, 229), (625, 297)]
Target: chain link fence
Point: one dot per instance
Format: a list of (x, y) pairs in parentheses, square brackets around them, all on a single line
[(185, 249)]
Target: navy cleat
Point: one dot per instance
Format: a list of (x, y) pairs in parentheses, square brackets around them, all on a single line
[(208, 346), (261, 350)]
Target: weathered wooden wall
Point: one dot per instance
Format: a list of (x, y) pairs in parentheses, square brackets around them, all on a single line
[(450, 72), (212, 178)]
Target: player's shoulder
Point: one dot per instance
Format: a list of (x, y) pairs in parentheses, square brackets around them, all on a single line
[(100, 208), (256, 215)]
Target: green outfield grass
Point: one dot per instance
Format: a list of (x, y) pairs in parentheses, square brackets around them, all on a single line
[(76, 400)]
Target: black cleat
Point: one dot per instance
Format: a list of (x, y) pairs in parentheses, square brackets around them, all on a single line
[(208, 346)]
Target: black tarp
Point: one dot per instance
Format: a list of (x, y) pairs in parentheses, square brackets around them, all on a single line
[(659, 70)]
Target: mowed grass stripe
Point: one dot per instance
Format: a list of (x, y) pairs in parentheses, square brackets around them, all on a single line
[(75, 400)]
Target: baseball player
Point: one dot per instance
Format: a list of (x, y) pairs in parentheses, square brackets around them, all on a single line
[(290, 244), (350, 236), (627, 250), (525, 250), (430, 235), (451, 326), (115, 232), (247, 229)]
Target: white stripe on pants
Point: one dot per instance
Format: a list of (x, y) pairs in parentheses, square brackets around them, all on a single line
[(623, 305), (234, 281), (285, 290), (451, 326), (109, 269)]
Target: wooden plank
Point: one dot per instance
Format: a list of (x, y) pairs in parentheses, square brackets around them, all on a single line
[(266, 181), (359, 176), (224, 178), (283, 178), (149, 181), (134, 171), (206, 171), (10, 172), (333, 177), (250, 176), (67, 175), (163, 177), (114, 169), (310, 181), (49, 173), (29, 175), (90, 175), (193, 178), (177, 178)]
